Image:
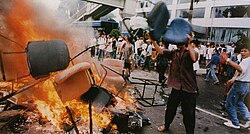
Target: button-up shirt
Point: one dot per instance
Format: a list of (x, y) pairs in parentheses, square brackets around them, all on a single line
[(181, 74)]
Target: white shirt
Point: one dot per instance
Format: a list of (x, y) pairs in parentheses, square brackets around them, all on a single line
[(149, 50), (101, 42), (202, 50), (109, 43), (196, 65), (245, 74), (172, 47), (138, 44), (209, 53)]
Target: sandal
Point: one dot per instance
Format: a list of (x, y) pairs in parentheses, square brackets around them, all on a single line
[(162, 128)]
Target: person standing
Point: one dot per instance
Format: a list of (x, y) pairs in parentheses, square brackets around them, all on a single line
[(138, 45), (202, 53), (101, 41), (239, 89), (215, 60), (181, 77), (93, 45), (108, 46), (121, 50), (114, 47), (148, 55), (128, 55), (196, 65)]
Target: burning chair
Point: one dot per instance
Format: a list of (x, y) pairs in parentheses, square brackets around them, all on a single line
[(79, 79), (77, 83)]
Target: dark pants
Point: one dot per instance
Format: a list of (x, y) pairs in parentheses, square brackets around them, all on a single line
[(92, 51), (161, 69), (188, 103), (147, 63), (114, 53), (201, 59), (101, 55)]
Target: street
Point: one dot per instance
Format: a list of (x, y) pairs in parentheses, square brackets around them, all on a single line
[(208, 111)]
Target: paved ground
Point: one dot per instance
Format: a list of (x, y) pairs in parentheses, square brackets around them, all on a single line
[(208, 114)]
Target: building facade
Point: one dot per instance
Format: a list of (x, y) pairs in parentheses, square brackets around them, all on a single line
[(219, 20)]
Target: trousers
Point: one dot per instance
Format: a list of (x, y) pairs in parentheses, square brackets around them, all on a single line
[(188, 104)]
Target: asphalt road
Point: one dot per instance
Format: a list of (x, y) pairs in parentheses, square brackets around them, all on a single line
[(209, 119)]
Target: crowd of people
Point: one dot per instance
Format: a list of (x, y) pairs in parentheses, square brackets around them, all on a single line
[(225, 60), (139, 55), (143, 55)]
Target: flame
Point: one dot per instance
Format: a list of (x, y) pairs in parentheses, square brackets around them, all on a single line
[(54, 110), (11, 85), (21, 23)]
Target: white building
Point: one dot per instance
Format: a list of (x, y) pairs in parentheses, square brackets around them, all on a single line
[(221, 19)]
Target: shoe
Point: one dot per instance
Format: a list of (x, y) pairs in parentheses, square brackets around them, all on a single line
[(216, 83), (230, 124), (206, 80), (247, 124)]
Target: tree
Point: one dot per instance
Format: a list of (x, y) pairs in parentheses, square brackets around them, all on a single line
[(241, 37), (115, 32)]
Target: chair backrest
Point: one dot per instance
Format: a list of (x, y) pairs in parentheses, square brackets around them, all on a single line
[(73, 82)]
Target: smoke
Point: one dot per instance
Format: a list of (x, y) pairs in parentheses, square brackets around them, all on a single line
[(30, 20), (56, 15)]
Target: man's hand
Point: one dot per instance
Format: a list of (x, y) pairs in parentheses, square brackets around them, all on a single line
[(190, 38)]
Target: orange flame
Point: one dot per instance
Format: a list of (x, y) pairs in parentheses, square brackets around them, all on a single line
[(54, 110)]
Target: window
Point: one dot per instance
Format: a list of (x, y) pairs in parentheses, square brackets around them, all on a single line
[(168, 2), (197, 13), (231, 12)]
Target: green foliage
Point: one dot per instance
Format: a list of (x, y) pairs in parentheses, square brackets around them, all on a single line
[(115, 32), (243, 40)]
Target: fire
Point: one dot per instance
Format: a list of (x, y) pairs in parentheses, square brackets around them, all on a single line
[(20, 21), (125, 101), (27, 23), (11, 85), (54, 110)]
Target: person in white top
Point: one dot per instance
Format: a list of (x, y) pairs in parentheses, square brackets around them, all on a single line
[(211, 50), (148, 55), (138, 46), (108, 46), (239, 89), (101, 41), (121, 51), (196, 65), (202, 53), (143, 55)]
